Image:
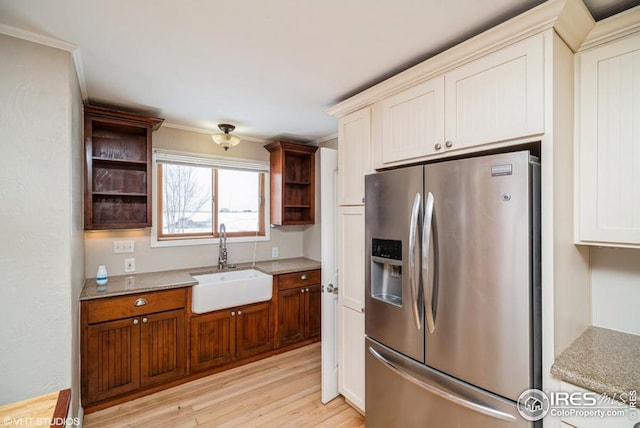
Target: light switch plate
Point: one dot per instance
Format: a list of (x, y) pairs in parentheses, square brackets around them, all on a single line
[(274, 252)]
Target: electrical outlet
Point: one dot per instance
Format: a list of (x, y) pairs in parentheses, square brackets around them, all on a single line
[(274, 252), (117, 247), (129, 265)]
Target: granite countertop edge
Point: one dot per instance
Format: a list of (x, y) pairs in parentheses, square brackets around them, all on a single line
[(179, 278), (601, 360)]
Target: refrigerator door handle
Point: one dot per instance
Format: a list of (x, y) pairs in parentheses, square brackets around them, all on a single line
[(427, 228), (414, 272), (447, 395)]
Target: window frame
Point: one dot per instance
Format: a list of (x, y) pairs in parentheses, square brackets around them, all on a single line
[(216, 163)]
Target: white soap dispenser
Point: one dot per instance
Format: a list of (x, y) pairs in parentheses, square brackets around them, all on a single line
[(101, 275)]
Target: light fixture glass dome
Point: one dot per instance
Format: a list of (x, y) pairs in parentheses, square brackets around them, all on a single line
[(226, 140)]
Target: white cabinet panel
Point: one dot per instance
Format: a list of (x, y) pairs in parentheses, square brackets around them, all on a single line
[(608, 144), (351, 360), (413, 122), (351, 257), (497, 97), (354, 155)]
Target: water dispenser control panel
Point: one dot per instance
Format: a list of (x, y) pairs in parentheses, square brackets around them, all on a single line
[(386, 248)]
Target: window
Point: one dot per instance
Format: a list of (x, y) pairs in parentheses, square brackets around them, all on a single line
[(196, 194)]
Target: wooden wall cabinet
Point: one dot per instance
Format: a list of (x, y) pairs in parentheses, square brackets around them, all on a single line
[(132, 342), (221, 337), (299, 307), (292, 183), (117, 169)]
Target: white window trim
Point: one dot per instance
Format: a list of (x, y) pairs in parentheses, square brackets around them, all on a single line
[(214, 161)]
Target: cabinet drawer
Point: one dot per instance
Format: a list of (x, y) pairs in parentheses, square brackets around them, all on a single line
[(298, 279), (114, 308)]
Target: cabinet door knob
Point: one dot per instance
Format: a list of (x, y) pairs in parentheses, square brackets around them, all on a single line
[(239, 312), (438, 146), (302, 290), (140, 302), (135, 321), (449, 144), (304, 277), (307, 290), (144, 320), (233, 313)]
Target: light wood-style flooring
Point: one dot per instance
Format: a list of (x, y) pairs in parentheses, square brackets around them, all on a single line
[(279, 391)]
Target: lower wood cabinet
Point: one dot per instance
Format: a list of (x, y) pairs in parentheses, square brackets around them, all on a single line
[(220, 337), (299, 307), (126, 347)]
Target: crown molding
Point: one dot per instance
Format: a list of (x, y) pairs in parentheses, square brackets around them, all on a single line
[(614, 27), (326, 138), (209, 132), (52, 43), (570, 19)]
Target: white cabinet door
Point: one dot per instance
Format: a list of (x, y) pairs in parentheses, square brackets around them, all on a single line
[(497, 97), (608, 144), (351, 257), (351, 356), (354, 155), (413, 122), (351, 303)]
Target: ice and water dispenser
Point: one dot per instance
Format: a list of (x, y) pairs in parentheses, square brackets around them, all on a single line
[(386, 271)]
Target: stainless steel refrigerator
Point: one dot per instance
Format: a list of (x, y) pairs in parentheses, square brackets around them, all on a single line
[(452, 307)]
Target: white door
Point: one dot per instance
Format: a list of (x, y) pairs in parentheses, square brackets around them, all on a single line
[(328, 214)]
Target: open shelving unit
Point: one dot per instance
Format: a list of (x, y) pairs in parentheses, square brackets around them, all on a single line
[(292, 183), (117, 169)]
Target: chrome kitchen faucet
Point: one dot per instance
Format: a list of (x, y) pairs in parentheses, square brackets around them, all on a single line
[(222, 257)]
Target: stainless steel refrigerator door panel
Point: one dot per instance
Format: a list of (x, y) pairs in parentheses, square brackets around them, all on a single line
[(400, 392), (482, 331), (390, 207)]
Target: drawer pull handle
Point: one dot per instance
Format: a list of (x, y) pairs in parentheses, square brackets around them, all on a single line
[(239, 312), (302, 291), (140, 302), (233, 314), (144, 320), (307, 290), (135, 321), (304, 277)]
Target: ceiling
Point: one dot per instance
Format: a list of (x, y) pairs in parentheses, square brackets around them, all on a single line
[(272, 68)]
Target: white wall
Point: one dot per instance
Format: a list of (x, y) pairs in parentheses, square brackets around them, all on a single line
[(99, 245), (615, 289), (40, 252)]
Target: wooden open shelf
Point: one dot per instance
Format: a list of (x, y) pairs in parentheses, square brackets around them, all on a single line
[(117, 168), (292, 183)]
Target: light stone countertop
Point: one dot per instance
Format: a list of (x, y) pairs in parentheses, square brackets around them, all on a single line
[(602, 360), (164, 280)]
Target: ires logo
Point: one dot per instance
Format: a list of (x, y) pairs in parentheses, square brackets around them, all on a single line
[(534, 404)]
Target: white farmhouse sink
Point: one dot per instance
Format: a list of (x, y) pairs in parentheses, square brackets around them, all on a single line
[(230, 288)]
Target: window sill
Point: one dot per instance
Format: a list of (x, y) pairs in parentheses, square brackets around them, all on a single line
[(155, 243)]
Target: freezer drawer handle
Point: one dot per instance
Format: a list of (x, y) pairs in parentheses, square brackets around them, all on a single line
[(414, 273), (486, 410)]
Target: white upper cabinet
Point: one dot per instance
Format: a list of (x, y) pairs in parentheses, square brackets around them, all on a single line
[(497, 97), (608, 144), (354, 155), (413, 122)]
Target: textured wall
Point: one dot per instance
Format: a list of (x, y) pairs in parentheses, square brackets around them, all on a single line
[(36, 299), (99, 245)]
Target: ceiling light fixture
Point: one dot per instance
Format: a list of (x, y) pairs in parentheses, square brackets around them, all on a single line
[(226, 140)]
